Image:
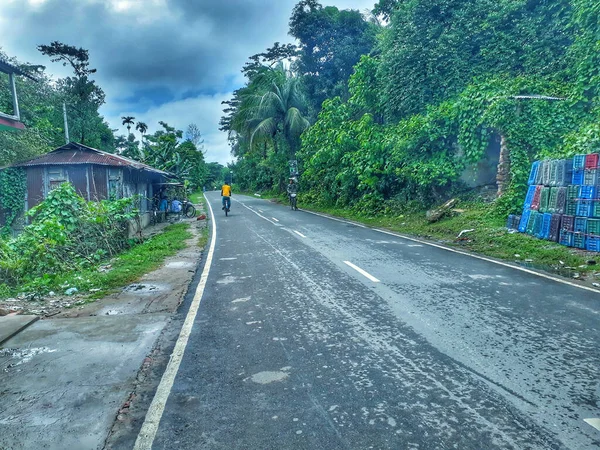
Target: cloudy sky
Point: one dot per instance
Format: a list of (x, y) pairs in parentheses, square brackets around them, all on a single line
[(171, 60)]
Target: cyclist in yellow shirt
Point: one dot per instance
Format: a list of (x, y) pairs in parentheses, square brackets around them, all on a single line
[(226, 196)]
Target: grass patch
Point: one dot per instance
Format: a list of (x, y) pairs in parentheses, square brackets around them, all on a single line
[(125, 269), (203, 238), (197, 197)]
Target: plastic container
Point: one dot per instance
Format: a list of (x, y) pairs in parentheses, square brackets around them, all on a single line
[(524, 220), (571, 207), (533, 174), (535, 203), (587, 192), (566, 238), (592, 244), (555, 222), (579, 240), (561, 200), (577, 177), (590, 177), (579, 162), (593, 227), (529, 196), (544, 197), (567, 223), (591, 161), (545, 229), (580, 225), (584, 208)]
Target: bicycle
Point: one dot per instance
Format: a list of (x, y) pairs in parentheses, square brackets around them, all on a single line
[(189, 210), (293, 202), (227, 205)]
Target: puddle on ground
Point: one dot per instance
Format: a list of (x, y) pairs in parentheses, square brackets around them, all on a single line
[(230, 279), (145, 289), (18, 356), (179, 265), (269, 377)]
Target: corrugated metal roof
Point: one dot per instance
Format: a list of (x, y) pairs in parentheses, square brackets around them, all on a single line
[(74, 153), (7, 67)]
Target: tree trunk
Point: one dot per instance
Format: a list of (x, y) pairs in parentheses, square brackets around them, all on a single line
[(503, 174)]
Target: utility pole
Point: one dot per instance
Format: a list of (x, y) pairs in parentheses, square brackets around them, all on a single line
[(66, 124)]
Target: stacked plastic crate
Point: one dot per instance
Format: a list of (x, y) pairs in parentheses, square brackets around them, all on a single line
[(563, 202)]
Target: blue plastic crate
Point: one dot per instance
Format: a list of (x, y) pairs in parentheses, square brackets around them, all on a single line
[(577, 177), (545, 230), (524, 220), (533, 174), (584, 208), (579, 240), (587, 192), (592, 244), (580, 225), (529, 196), (566, 238), (578, 162)]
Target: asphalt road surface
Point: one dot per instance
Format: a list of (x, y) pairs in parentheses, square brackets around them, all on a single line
[(319, 334)]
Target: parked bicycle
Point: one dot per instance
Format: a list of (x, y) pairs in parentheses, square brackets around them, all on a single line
[(188, 209)]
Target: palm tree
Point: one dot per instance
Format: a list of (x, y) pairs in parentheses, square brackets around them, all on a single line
[(128, 120), (142, 128), (271, 109)]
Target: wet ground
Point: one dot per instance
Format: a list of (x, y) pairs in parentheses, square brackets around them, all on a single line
[(65, 379), (315, 333)]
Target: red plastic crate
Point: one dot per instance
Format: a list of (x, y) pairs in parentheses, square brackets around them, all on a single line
[(591, 161)]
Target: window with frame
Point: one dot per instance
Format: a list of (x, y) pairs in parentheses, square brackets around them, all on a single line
[(56, 177)]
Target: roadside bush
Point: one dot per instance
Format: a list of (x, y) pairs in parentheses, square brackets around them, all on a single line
[(66, 233)]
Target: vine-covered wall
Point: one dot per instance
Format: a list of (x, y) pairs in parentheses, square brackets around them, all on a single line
[(13, 189)]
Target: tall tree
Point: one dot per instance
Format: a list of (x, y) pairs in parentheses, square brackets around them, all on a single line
[(193, 134), (331, 43), (142, 128), (128, 121), (272, 110), (82, 95)]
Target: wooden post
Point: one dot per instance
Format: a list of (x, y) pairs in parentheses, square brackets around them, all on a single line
[(13, 88)]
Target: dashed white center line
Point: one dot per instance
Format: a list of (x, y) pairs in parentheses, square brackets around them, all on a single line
[(362, 272), (260, 211), (298, 233), (593, 422), (274, 219)]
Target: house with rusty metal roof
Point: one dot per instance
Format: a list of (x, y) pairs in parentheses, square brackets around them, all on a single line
[(95, 175)]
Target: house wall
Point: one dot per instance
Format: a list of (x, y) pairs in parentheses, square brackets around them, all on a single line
[(36, 177), (92, 182), (99, 183), (78, 177)]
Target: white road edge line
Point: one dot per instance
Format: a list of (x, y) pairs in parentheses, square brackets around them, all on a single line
[(482, 258), (274, 219), (259, 215), (298, 233), (149, 429), (362, 272), (593, 422)]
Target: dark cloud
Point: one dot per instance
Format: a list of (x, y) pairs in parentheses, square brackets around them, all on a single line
[(155, 52)]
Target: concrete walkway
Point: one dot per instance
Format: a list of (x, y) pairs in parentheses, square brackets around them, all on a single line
[(64, 380)]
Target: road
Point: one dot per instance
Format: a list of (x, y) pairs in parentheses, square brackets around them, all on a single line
[(320, 334)]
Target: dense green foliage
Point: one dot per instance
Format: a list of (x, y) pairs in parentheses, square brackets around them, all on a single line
[(331, 43), (13, 188), (66, 233), (445, 82)]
